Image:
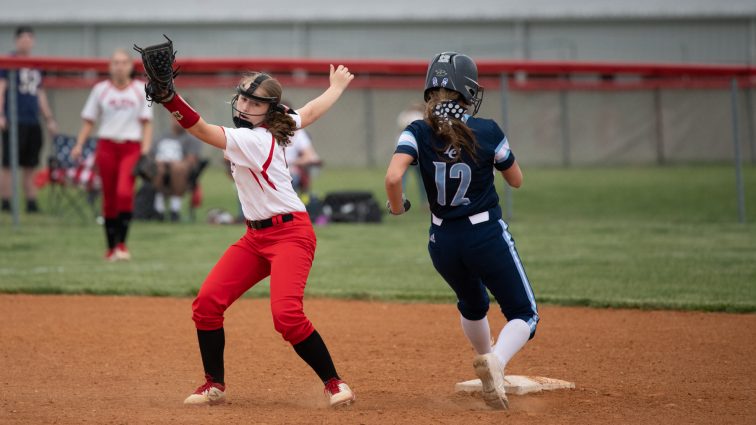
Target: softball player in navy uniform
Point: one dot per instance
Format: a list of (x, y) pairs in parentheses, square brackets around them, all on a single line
[(469, 244), (279, 242)]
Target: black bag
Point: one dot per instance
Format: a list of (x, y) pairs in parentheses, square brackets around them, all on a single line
[(352, 207)]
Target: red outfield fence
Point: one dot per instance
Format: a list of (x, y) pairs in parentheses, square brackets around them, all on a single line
[(672, 105), (383, 74)]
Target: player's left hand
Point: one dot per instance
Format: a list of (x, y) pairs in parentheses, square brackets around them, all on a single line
[(52, 127), (340, 77), (145, 168), (158, 61), (406, 205)]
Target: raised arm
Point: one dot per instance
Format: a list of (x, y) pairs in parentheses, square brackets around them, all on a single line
[(314, 109), (211, 134)]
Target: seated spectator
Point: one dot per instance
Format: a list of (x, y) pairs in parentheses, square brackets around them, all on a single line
[(177, 155), (300, 156)]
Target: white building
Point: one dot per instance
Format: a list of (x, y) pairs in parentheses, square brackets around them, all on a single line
[(602, 127)]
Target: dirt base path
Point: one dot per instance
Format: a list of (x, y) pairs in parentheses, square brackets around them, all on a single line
[(124, 360)]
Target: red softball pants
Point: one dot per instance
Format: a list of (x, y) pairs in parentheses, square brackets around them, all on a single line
[(115, 163), (285, 253)]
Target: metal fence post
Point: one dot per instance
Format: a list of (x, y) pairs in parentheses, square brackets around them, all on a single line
[(564, 123), (749, 123), (13, 136), (369, 127), (508, 202), (736, 143), (659, 126)]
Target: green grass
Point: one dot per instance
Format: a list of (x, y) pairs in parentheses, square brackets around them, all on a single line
[(641, 237)]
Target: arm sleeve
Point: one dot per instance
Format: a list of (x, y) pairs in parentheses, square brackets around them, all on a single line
[(407, 144), (246, 148), (91, 107), (503, 156)]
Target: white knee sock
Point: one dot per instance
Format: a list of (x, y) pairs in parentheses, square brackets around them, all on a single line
[(159, 202), (511, 339), (175, 203), (478, 333)]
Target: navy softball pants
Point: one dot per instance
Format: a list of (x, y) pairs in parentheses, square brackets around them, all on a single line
[(473, 257)]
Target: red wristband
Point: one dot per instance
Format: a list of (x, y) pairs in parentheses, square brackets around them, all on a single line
[(184, 114)]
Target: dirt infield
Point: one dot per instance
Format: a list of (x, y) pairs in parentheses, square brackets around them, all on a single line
[(123, 360)]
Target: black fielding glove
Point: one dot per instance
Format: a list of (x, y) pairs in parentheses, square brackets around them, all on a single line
[(145, 168), (158, 61)]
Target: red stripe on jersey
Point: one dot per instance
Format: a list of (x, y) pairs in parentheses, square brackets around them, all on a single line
[(257, 180), (265, 166)]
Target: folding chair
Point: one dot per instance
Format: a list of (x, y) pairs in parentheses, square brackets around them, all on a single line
[(74, 185)]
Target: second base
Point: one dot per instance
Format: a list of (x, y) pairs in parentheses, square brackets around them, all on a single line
[(518, 385)]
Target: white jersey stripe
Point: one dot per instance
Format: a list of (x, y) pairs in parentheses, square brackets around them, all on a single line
[(521, 271), (502, 151), (407, 139)]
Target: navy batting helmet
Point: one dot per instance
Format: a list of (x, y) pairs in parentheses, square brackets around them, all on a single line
[(458, 72)]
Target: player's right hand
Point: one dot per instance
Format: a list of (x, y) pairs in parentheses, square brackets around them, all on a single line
[(76, 152), (340, 77)]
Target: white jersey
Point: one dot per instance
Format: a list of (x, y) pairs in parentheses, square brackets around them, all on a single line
[(121, 111), (261, 173)]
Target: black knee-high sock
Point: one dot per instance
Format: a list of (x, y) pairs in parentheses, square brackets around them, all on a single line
[(211, 344), (124, 219), (315, 353), (111, 232)]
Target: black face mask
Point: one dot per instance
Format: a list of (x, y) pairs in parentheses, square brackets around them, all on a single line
[(237, 115)]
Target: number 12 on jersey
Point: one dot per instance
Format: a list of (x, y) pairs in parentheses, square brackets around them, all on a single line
[(459, 171)]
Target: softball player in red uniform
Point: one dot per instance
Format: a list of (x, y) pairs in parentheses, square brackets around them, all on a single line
[(279, 242), (125, 133)]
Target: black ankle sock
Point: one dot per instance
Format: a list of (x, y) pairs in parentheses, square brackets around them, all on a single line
[(124, 219), (211, 344), (315, 353), (31, 206), (111, 232)]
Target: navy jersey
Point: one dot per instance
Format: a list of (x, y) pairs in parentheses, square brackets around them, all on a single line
[(28, 82), (458, 188)]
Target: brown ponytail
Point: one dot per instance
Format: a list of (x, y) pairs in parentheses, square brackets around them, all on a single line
[(452, 131), (281, 126)]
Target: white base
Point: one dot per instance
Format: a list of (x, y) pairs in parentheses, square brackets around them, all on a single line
[(518, 385)]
